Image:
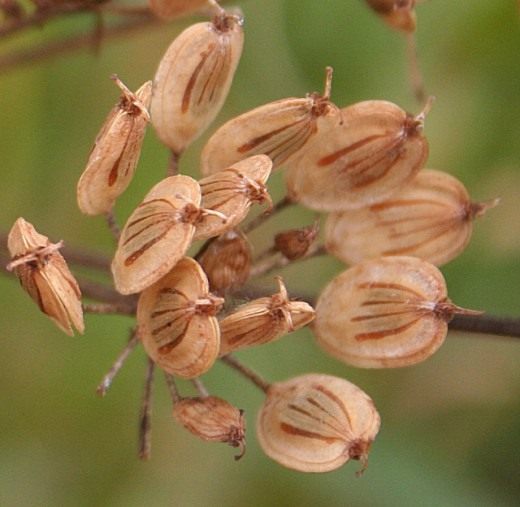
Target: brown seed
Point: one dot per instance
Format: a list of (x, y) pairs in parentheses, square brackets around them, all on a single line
[(115, 154), (378, 148), (399, 14), (177, 323), (171, 9), (295, 243), (45, 276), (316, 423), (385, 313), (431, 218), (263, 320)]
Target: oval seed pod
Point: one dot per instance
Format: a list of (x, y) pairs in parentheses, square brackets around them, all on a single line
[(378, 148), (385, 313), (263, 320), (193, 79), (431, 218), (399, 14), (295, 243), (171, 9), (177, 323), (113, 159), (278, 129), (157, 234), (316, 423), (231, 192), (45, 276)]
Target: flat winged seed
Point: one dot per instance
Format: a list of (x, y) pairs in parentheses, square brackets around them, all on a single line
[(193, 79), (157, 234), (384, 313), (177, 323), (45, 276), (231, 192), (431, 218), (316, 423), (399, 14), (378, 148), (171, 9), (113, 159)]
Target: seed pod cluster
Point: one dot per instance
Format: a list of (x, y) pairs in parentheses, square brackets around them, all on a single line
[(399, 14)]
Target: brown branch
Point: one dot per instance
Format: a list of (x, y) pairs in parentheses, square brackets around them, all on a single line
[(109, 308), (486, 324), (263, 217), (246, 372), (145, 416)]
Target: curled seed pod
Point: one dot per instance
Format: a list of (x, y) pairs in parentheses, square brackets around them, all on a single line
[(171, 9), (45, 276), (431, 218), (295, 243), (227, 261), (212, 419), (385, 313), (177, 323), (193, 79), (378, 148), (157, 234), (263, 320), (116, 151), (278, 129), (399, 14), (316, 423), (231, 192)]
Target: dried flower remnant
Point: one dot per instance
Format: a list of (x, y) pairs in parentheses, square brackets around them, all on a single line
[(194, 78), (263, 320), (378, 148), (431, 218), (171, 9), (177, 323), (295, 243), (45, 276), (116, 151), (399, 14), (385, 313), (316, 423)]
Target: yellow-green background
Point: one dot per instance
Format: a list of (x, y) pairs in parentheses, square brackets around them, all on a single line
[(450, 431)]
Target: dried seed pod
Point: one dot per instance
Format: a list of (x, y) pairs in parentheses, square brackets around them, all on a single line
[(45, 276), (177, 323), (193, 79), (378, 148), (213, 420), (316, 423), (295, 243), (227, 261), (263, 320), (399, 14), (278, 129), (231, 192), (431, 218), (385, 313), (157, 234), (171, 9), (116, 151)]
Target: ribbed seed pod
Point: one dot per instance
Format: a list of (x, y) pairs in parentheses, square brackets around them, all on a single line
[(431, 218), (231, 193), (378, 148), (278, 129), (399, 14), (193, 79), (385, 313), (295, 243), (263, 320), (45, 276), (171, 9), (316, 423), (177, 323)]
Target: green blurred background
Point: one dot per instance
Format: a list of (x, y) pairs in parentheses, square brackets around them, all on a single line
[(450, 431)]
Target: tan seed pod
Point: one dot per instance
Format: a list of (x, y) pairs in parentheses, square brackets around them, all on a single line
[(227, 261), (171, 9), (385, 313), (193, 79), (316, 423), (45, 276), (399, 14), (378, 148), (263, 320), (431, 218), (177, 323), (295, 243), (278, 129), (212, 419), (231, 192), (157, 234), (116, 151)]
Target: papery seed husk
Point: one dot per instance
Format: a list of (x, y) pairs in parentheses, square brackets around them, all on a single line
[(295, 243), (316, 423), (171, 9), (378, 148), (46, 276), (399, 14), (157, 234), (113, 159), (194, 78), (176, 321)]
